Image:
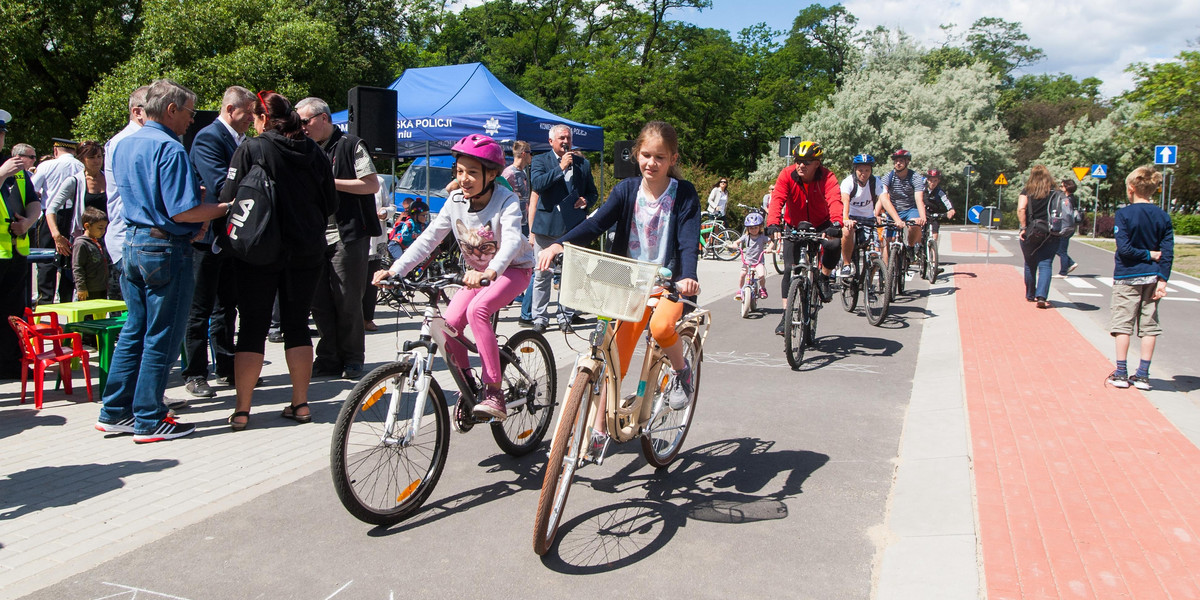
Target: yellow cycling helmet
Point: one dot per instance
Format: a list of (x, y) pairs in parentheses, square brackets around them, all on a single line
[(807, 150)]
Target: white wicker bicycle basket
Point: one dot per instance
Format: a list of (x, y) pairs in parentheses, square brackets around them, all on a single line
[(604, 284)]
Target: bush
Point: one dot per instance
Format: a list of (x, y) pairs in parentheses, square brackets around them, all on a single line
[(1186, 224)]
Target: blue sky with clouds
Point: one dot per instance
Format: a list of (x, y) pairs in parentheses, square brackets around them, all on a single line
[(1095, 38)]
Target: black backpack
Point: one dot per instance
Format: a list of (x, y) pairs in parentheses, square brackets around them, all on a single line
[(252, 231)]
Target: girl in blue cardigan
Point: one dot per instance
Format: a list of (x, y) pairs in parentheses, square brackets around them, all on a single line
[(657, 219)]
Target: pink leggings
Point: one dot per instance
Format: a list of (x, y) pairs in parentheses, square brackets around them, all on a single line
[(475, 307)]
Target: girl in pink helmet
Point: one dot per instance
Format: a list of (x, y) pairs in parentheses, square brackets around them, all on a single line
[(485, 218)]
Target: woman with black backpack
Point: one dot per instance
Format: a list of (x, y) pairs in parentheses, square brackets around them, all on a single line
[(299, 174), (1038, 246)]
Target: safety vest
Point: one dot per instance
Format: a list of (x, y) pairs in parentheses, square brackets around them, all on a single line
[(6, 238)]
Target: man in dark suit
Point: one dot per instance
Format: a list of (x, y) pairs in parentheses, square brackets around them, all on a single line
[(566, 191), (211, 319)]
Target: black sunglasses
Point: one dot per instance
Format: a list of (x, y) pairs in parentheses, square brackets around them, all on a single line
[(806, 161)]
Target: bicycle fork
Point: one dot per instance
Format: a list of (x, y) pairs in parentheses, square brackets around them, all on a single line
[(419, 378)]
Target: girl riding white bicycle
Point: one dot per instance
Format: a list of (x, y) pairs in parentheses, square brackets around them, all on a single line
[(753, 243), (486, 221)]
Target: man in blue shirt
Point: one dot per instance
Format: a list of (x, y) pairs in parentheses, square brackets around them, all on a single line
[(163, 212)]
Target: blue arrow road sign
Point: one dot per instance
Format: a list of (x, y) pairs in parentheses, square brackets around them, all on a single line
[(974, 212), (1165, 155), (1099, 171)]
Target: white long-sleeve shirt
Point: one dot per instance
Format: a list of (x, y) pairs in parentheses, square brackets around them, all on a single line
[(489, 239)]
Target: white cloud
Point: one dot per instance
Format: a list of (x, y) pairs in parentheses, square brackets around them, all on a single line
[(1098, 38)]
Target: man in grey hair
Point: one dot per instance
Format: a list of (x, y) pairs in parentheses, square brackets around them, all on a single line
[(114, 237), (163, 214)]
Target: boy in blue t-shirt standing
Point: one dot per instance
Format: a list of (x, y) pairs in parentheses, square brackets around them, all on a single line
[(1145, 250)]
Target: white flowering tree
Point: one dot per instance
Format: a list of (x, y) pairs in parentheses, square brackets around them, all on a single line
[(884, 105)]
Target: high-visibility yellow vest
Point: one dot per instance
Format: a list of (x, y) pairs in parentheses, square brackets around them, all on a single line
[(7, 243)]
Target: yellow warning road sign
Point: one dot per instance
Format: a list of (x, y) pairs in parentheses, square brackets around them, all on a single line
[(1002, 180), (1080, 172)]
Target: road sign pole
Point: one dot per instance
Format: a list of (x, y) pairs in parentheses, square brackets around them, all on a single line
[(1096, 215), (967, 202)]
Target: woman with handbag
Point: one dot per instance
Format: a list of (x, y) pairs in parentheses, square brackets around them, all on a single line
[(304, 200), (1037, 245)]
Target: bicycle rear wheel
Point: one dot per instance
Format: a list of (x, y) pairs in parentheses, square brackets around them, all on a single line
[(875, 290), (722, 240), (383, 477), (664, 433), (527, 424), (794, 317), (567, 448)]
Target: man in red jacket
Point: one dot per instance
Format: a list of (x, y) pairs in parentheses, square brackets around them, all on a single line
[(807, 192)]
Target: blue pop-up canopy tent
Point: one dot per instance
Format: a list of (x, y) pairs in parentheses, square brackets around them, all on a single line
[(436, 106)]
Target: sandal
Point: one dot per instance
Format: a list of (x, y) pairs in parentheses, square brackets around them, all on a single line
[(239, 426), (290, 413)]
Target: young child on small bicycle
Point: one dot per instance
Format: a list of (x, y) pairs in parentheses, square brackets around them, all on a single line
[(657, 219), (753, 243), (486, 221)]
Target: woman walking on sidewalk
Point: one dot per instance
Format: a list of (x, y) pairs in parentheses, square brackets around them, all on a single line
[(1037, 244), (1145, 250)]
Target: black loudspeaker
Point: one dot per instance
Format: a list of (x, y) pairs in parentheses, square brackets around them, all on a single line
[(372, 117), (202, 119), (624, 163)]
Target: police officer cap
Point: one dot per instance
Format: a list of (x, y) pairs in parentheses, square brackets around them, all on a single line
[(5, 117), (64, 143)]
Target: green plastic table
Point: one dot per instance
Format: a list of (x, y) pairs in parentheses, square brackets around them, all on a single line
[(106, 331), (77, 311)]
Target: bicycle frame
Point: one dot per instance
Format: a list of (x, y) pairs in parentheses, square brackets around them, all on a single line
[(601, 362)]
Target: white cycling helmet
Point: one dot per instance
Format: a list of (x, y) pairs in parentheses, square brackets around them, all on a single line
[(753, 220)]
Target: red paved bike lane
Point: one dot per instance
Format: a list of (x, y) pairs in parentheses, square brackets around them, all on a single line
[(1082, 490)]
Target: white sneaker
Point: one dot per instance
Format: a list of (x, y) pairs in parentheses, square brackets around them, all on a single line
[(1141, 383), (846, 272)]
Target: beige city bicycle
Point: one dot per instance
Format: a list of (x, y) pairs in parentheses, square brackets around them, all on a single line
[(615, 289)]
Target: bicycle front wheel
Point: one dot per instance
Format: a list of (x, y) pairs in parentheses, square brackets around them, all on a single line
[(383, 476), (893, 272), (526, 424), (875, 288), (814, 307), (566, 450), (664, 434), (794, 321), (931, 261), (777, 261), (850, 288), (748, 293)]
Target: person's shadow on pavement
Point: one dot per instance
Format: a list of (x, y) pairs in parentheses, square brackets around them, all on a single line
[(34, 489)]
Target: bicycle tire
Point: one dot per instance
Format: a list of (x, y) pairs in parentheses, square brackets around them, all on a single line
[(875, 291), (777, 261), (932, 262), (851, 286), (793, 321), (892, 267), (523, 430), (360, 461), (902, 273), (661, 450), (723, 239), (567, 447), (814, 307), (748, 298)]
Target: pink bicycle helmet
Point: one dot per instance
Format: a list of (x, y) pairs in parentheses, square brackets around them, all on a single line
[(481, 147)]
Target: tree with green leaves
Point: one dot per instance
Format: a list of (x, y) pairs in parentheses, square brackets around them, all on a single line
[(1170, 92)]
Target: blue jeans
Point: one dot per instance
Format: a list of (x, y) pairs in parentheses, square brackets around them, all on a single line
[(157, 286), (1064, 260), (527, 302), (1037, 268)]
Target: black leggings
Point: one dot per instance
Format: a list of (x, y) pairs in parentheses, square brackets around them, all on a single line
[(829, 258), (257, 287)]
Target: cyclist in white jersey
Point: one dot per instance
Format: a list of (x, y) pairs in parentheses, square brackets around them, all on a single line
[(860, 201), (904, 190)]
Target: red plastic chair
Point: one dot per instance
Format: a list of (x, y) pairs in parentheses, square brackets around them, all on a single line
[(52, 327), (34, 356)]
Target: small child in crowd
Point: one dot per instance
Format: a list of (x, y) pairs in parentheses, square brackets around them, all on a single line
[(753, 243), (408, 228), (89, 258)]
